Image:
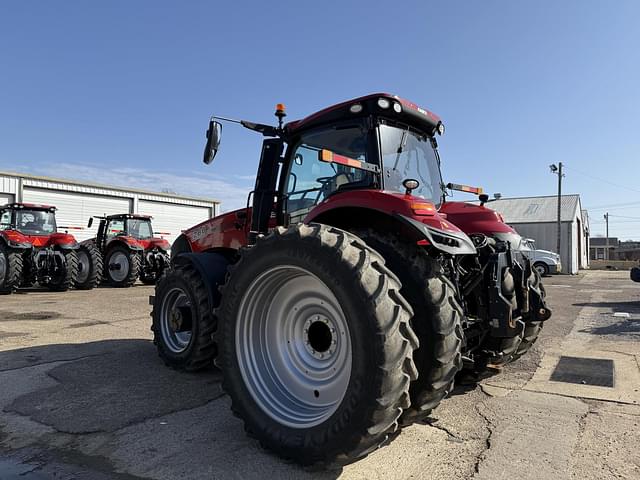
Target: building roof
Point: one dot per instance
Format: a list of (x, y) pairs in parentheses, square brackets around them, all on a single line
[(537, 209), (108, 187)]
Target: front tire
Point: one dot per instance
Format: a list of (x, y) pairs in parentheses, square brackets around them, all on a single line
[(532, 327), (183, 320), (437, 320), (315, 345), (10, 269), (542, 268), (122, 266)]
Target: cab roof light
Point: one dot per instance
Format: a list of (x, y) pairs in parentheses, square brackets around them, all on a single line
[(384, 103), (464, 188)]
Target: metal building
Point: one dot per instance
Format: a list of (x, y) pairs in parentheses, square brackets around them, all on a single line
[(77, 201), (536, 217)]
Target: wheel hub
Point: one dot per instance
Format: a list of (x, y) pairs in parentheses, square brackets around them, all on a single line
[(293, 346), (175, 320), (320, 341)]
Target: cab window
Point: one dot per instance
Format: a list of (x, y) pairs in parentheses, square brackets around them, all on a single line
[(115, 227), (5, 219), (311, 180)]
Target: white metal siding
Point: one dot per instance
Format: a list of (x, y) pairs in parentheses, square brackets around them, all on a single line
[(546, 237), (75, 209), (5, 198), (170, 219)]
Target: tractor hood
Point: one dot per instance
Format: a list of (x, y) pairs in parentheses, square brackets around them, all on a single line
[(155, 242), (472, 218), (63, 240)]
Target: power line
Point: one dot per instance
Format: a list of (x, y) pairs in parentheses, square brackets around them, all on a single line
[(612, 206), (602, 180), (624, 216)]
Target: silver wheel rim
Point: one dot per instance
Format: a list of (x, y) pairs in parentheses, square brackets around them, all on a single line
[(293, 346), (175, 311), (84, 266), (3, 267), (540, 269), (120, 260)]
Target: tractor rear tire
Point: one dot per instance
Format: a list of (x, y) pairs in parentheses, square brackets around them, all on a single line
[(10, 269), (315, 345), (66, 279), (128, 263), (90, 267), (183, 320), (437, 320), (532, 328)]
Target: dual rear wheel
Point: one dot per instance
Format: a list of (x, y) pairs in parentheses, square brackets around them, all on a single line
[(314, 340)]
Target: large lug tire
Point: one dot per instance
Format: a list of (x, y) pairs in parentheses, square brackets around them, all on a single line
[(67, 274), (532, 327), (315, 345), (437, 320), (121, 266), (183, 320), (10, 269), (90, 267), (504, 349)]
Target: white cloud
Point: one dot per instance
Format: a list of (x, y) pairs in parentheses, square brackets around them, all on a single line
[(232, 195)]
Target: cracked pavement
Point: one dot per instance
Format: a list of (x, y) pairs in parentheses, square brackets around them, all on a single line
[(83, 395)]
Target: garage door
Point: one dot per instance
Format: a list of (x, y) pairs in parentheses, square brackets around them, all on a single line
[(75, 209), (170, 219), (5, 198)]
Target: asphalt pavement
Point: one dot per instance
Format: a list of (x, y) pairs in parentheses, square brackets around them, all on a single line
[(83, 395)]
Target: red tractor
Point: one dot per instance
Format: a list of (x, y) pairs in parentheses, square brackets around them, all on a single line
[(347, 297), (126, 249), (32, 250)]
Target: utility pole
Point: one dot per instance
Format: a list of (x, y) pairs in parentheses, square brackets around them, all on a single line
[(558, 171), (606, 248)]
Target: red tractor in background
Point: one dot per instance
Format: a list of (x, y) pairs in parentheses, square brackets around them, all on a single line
[(345, 300), (32, 251), (126, 249)]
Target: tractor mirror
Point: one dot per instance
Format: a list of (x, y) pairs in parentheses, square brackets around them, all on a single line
[(90, 222), (214, 133)]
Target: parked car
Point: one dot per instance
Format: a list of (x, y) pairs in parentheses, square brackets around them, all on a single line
[(544, 261), (635, 274)]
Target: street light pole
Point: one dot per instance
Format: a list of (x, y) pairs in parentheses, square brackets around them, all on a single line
[(606, 248), (558, 171)]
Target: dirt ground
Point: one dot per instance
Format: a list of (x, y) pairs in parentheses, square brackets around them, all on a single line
[(83, 395)]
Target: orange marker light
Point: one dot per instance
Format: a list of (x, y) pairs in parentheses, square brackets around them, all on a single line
[(280, 107), (423, 208)]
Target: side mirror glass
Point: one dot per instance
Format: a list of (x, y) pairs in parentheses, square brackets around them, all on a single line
[(214, 133), (90, 222)]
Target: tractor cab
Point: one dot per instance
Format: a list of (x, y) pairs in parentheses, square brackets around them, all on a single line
[(28, 219), (137, 228), (373, 156)]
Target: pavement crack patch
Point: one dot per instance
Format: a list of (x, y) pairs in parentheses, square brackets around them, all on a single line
[(60, 360), (452, 437), (487, 445)]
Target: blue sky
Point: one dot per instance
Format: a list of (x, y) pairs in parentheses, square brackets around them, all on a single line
[(120, 91)]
